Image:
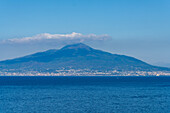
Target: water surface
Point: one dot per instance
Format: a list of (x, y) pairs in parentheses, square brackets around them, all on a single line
[(84, 94)]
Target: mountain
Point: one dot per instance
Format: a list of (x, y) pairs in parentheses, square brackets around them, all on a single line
[(75, 57)]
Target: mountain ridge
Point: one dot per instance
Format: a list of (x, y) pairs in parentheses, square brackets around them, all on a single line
[(76, 56)]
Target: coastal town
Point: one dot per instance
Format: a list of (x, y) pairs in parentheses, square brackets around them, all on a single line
[(85, 72)]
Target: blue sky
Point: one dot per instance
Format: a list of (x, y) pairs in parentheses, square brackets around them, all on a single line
[(138, 28)]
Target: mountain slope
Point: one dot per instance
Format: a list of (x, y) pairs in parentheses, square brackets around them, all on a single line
[(76, 56)]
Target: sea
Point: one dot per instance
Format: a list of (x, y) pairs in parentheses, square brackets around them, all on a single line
[(85, 94)]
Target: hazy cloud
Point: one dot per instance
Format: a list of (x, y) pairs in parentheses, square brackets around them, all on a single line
[(60, 38)]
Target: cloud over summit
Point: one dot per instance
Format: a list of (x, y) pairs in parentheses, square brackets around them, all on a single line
[(60, 38)]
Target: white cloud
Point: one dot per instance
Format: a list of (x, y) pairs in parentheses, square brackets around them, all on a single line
[(64, 38)]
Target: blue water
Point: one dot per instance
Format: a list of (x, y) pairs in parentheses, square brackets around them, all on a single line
[(85, 94)]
